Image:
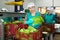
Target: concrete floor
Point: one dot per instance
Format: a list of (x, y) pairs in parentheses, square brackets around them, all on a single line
[(57, 37)]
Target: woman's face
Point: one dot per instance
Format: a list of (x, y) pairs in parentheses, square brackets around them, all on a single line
[(32, 9)]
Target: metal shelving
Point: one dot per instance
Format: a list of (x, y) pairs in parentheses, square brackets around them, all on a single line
[(12, 14)]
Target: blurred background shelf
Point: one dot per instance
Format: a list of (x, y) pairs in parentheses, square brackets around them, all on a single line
[(12, 14)]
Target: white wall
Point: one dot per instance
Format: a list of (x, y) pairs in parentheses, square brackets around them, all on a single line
[(39, 3), (2, 5), (11, 8), (47, 3), (56, 2), (43, 3), (26, 3)]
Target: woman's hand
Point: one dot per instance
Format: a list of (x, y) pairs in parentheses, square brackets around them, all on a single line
[(24, 22)]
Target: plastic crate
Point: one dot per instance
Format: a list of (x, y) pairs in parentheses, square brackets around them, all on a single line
[(31, 36), (1, 32)]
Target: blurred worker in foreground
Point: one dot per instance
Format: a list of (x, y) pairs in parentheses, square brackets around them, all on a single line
[(34, 18)]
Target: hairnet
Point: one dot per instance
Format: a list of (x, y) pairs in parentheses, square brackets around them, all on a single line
[(30, 4)]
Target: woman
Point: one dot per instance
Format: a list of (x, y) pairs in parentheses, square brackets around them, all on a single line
[(32, 14), (49, 17)]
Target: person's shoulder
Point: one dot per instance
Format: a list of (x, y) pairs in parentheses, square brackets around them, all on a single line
[(45, 15), (53, 14), (28, 13), (37, 12)]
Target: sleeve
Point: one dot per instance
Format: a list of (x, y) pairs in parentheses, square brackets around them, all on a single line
[(54, 19), (42, 19), (28, 20), (39, 14)]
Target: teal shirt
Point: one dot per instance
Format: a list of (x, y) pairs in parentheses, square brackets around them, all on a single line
[(29, 20), (49, 19)]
